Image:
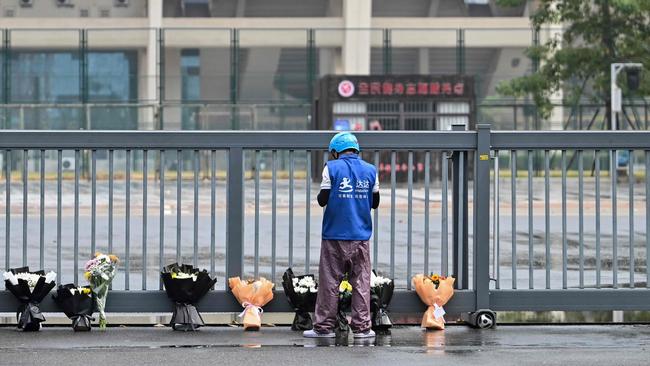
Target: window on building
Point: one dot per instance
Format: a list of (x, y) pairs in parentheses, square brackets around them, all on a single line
[(190, 87)]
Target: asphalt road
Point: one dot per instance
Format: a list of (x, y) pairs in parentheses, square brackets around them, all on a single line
[(458, 345), (266, 230)]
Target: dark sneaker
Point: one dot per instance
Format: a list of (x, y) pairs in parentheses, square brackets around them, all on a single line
[(314, 334), (367, 334)]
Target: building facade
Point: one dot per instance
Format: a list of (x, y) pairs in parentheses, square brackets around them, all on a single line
[(246, 64)]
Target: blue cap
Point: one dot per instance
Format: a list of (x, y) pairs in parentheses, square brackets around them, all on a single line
[(343, 141)]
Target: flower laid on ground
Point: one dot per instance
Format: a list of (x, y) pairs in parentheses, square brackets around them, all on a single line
[(78, 304), (301, 292), (29, 288), (252, 295), (100, 271), (434, 291), (381, 293), (185, 286), (345, 303)]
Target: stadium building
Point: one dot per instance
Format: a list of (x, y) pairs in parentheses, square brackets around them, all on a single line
[(251, 64)]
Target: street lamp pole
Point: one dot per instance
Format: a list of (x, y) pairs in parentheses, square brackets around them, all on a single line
[(616, 98)]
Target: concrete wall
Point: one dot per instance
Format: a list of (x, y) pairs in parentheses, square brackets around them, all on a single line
[(73, 9)]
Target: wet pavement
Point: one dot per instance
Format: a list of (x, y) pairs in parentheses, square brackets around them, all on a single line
[(506, 345), (523, 242)]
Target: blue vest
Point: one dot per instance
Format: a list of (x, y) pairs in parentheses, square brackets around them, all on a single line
[(347, 214)]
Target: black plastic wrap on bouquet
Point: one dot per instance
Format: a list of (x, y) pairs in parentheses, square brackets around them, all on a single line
[(186, 293), (185, 317), (29, 316), (302, 304), (342, 327), (380, 297), (78, 307)]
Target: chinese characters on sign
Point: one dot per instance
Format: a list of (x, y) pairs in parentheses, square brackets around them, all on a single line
[(396, 88)]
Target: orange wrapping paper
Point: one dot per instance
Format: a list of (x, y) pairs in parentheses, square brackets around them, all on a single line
[(431, 296), (252, 296)]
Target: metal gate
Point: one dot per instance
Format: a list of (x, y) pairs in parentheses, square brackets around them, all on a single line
[(518, 235)]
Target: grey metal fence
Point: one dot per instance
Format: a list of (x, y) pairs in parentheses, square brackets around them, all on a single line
[(242, 204)]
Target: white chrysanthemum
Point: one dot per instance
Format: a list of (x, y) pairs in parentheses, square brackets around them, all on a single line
[(376, 281)]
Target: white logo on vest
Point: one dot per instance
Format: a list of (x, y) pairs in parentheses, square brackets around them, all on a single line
[(345, 186)]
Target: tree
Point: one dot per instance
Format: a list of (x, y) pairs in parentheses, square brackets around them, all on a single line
[(595, 34)]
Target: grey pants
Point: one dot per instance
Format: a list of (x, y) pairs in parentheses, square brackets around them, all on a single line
[(336, 258)]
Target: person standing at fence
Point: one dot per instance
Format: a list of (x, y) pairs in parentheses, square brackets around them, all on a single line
[(349, 190)]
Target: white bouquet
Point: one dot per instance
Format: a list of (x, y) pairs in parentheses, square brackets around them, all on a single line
[(381, 293), (301, 292), (29, 288)]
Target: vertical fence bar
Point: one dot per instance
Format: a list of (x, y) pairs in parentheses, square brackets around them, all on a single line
[(581, 214), (597, 203), (547, 217), (614, 179), (196, 208), (127, 223), (393, 183), (256, 260), (8, 210), (564, 227), (461, 250), (427, 183), (179, 182), (77, 162), (235, 213), (631, 179), (647, 217), (213, 209), (274, 203), (42, 213), (409, 220), (513, 208), (110, 200), (93, 198), (496, 250), (531, 256), (59, 193), (482, 205), (25, 193), (145, 183), (307, 209), (375, 233), (291, 167), (161, 215), (444, 223)]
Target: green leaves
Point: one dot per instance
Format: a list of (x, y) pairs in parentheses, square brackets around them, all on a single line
[(595, 33)]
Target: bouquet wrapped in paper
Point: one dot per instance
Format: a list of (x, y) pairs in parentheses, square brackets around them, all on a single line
[(381, 292), (100, 272), (185, 286), (301, 293), (30, 288), (78, 304), (252, 295), (435, 291), (345, 303)]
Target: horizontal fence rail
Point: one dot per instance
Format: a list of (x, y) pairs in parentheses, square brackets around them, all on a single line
[(524, 220)]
